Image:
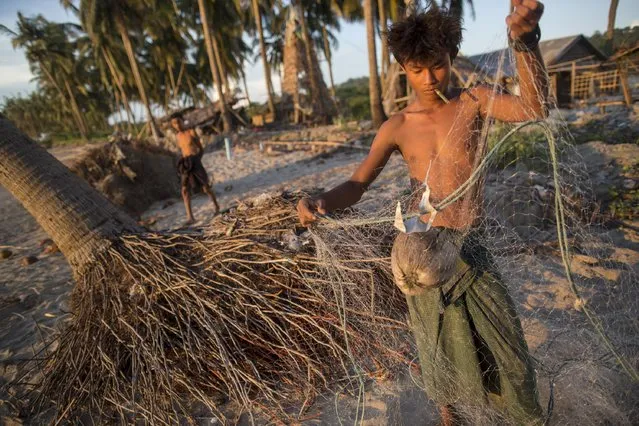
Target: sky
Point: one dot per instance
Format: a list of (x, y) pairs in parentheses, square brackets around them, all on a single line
[(486, 32)]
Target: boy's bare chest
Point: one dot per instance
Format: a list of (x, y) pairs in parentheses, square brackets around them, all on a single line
[(444, 137), (185, 142)]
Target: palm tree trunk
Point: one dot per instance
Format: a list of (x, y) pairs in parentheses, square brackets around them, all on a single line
[(377, 111), (118, 107), (329, 60), (383, 22), (169, 71), (196, 99), (124, 34), (267, 69), (76, 111), (76, 217), (246, 92), (612, 17), (178, 82), (226, 117), (118, 81), (222, 70), (317, 101)]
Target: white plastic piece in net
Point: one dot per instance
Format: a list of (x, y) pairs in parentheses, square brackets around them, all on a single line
[(416, 224)]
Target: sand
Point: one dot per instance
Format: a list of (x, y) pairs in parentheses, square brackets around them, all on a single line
[(33, 298)]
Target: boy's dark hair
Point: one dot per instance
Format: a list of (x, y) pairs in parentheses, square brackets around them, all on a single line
[(423, 37)]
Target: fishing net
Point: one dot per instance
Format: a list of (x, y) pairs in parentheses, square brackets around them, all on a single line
[(558, 242)]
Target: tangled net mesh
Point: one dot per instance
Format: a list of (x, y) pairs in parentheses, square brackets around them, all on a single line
[(256, 310)]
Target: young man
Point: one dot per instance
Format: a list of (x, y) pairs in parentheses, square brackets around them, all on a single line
[(470, 341), (192, 173)]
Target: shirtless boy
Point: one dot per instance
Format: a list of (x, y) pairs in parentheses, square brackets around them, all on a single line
[(192, 173), (469, 339)]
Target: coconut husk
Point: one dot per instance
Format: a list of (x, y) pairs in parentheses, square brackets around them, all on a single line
[(423, 260)]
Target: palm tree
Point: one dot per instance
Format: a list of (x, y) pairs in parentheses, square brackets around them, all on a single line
[(50, 53), (76, 217), (612, 17), (377, 111), (103, 18), (226, 117), (323, 19), (257, 15), (383, 25), (319, 110)]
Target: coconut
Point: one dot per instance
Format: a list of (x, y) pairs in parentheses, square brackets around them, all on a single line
[(423, 260)]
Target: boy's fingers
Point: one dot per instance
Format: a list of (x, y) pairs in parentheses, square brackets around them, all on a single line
[(321, 206), (536, 7), (305, 211), (525, 17), (515, 30), (522, 23)]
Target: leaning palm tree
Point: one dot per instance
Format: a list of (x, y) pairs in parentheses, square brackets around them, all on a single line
[(213, 63), (50, 54), (383, 23), (259, 30), (377, 111), (101, 19)]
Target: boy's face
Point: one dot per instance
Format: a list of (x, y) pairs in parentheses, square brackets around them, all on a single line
[(176, 123), (425, 78)]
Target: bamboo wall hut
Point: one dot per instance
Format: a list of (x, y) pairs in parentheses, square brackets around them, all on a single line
[(578, 71), (627, 62)]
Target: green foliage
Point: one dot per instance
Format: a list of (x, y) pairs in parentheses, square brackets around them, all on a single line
[(625, 202), (84, 74), (625, 205), (354, 98), (528, 147), (600, 130), (622, 38)]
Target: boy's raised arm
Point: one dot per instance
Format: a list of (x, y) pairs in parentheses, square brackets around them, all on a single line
[(523, 30), (350, 192)]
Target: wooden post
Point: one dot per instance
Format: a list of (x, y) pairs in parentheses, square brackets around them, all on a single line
[(573, 76), (623, 78), (553, 87)]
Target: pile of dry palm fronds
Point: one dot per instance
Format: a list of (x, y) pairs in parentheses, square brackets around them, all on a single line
[(133, 174), (243, 309)]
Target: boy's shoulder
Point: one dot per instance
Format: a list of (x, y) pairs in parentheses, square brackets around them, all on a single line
[(393, 123)]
